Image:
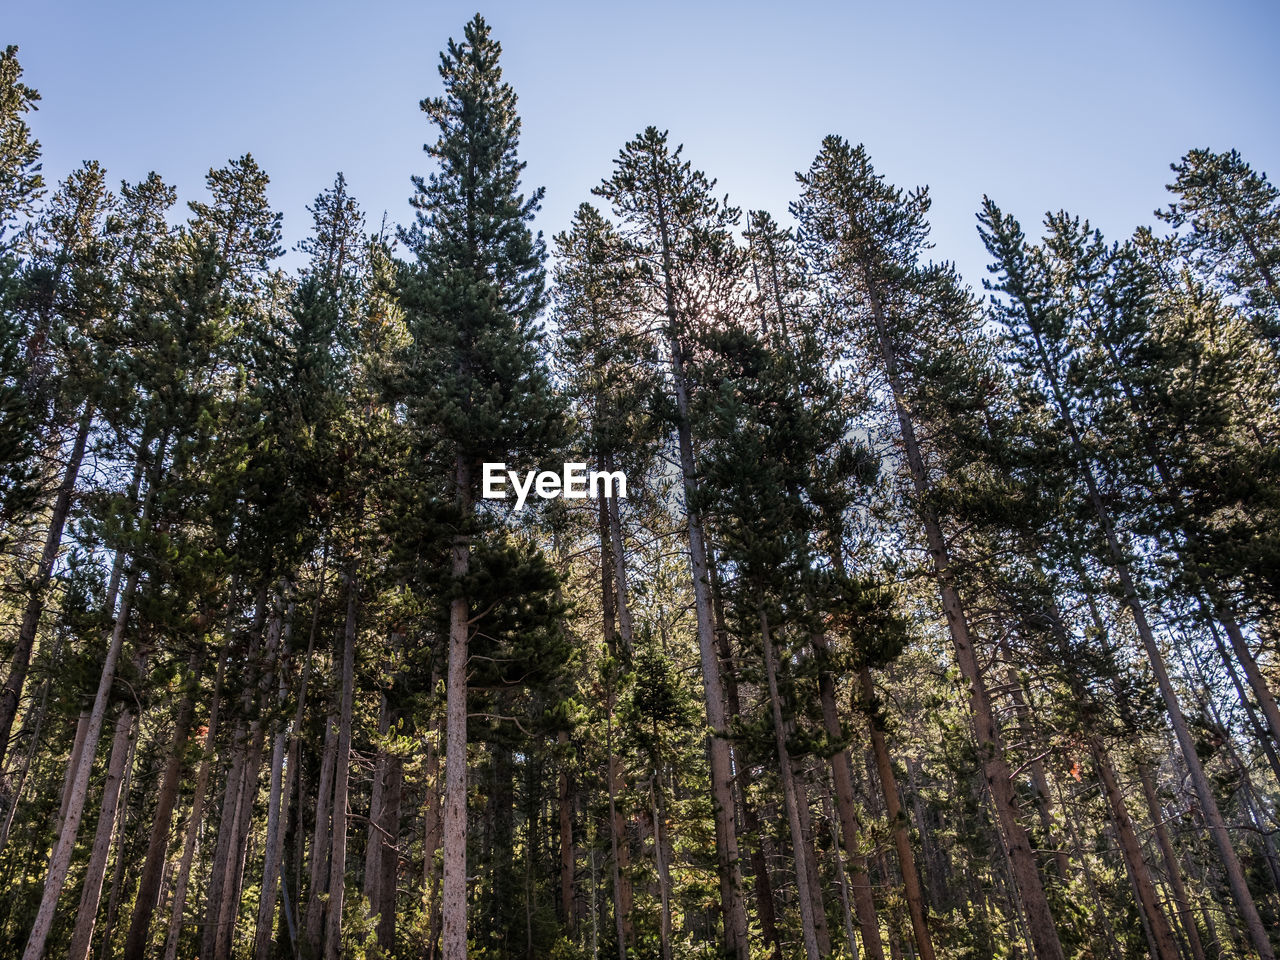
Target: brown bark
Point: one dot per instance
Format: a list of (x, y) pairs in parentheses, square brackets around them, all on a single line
[(1039, 779), (195, 820), (454, 888), (318, 867), (1158, 926), (60, 860), (789, 797), (373, 840), (762, 884), (95, 872), (564, 801), (660, 862), (432, 833), (850, 829), (388, 837), (220, 896), (273, 847), (820, 928), (338, 848), (20, 657), (619, 845), (897, 820), (158, 844)]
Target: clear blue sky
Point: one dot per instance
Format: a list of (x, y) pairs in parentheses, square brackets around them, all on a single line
[(1076, 104)]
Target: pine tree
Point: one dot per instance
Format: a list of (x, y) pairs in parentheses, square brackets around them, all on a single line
[(473, 306), (866, 237), (680, 237), (1038, 321)]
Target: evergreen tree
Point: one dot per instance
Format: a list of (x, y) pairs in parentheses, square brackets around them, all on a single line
[(481, 391)]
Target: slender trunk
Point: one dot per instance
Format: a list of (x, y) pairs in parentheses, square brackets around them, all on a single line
[(626, 628), (20, 657), (60, 860), (1171, 865), (319, 865), (1131, 849), (382, 853), (660, 861), (618, 850), (454, 893), (1258, 685), (32, 724), (1251, 715), (820, 928), (389, 833), (73, 764), (273, 878), (846, 900), (898, 820), (805, 895), (619, 845), (279, 798), (373, 840), (1041, 926), (195, 820), (564, 800), (241, 788), (850, 829), (338, 853), (273, 847), (95, 872), (432, 833), (138, 937), (1039, 780), (932, 860), (762, 884), (118, 872)]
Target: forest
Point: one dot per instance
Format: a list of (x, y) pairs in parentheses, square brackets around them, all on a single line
[(940, 620)]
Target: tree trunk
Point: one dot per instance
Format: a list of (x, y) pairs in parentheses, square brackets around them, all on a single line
[(800, 853), (564, 800), (195, 820), (432, 833), (388, 836), (338, 853), (850, 830), (60, 860), (619, 846), (762, 884), (20, 657), (819, 907), (220, 915), (138, 937), (660, 861), (95, 872), (319, 860), (454, 892), (1130, 847), (897, 819)]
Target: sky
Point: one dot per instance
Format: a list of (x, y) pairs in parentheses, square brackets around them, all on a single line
[(1075, 105)]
